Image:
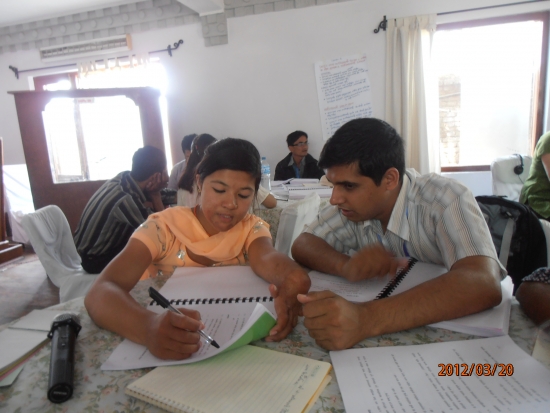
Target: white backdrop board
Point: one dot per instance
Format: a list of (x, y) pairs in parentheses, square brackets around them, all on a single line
[(343, 89)]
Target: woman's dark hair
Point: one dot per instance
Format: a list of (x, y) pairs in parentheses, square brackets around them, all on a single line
[(200, 143), (371, 143), (233, 154)]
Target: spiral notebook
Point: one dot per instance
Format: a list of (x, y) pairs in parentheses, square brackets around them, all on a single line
[(247, 380), (216, 285), (488, 323), (235, 305)]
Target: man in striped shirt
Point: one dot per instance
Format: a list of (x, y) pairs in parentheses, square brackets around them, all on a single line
[(381, 214), (119, 207)]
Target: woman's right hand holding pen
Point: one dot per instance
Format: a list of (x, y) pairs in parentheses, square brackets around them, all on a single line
[(174, 336)]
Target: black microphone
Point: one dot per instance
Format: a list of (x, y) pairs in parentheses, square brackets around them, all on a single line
[(65, 328)]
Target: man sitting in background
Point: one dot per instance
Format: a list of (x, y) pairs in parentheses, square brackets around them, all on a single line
[(298, 163), (382, 211), (119, 207), (177, 170)]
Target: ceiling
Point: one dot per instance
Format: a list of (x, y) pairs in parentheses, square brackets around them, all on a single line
[(24, 11)]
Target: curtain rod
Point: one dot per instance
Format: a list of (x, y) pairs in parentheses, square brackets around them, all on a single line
[(169, 49), (383, 24)]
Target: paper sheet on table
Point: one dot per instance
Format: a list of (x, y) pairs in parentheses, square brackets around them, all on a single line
[(37, 320), (407, 378), (232, 326)]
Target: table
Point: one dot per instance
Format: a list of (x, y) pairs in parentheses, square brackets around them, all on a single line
[(98, 390)]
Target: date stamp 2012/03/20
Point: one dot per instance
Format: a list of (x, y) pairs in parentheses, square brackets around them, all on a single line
[(478, 369)]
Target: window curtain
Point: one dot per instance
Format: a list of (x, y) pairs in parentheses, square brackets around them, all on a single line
[(125, 71), (411, 94)]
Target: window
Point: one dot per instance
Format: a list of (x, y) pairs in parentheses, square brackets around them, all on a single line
[(490, 85), (95, 138)]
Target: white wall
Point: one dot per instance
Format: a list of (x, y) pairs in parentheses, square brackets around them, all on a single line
[(261, 85)]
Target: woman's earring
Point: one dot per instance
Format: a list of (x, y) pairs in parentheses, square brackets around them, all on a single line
[(199, 190)]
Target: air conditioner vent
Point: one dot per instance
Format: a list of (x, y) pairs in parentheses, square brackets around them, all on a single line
[(86, 48)]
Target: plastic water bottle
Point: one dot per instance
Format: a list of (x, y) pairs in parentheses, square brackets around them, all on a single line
[(266, 174)]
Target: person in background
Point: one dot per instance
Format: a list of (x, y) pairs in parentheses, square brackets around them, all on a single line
[(177, 170), (219, 231), (187, 188), (298, 163), (386, 214), (533, 295), (118, 207), (536, 190)]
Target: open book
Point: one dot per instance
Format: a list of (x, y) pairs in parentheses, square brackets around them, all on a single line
[(488, 323), (235, 305), (248, 380)]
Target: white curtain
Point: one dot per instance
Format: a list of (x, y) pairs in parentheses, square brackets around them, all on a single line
[(411, 93)]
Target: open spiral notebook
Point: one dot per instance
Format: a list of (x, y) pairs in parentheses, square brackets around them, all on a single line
[(488, 323)]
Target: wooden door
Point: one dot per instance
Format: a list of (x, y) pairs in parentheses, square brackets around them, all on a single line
[(72, 197)]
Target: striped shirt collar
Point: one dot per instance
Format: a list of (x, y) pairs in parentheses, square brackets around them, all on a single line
[(398, 223)]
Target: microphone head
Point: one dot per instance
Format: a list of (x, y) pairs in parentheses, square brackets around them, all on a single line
[(68, 318)]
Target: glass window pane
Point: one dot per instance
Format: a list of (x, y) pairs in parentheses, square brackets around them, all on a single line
[(488, 80), (111, 142), (91, 138)]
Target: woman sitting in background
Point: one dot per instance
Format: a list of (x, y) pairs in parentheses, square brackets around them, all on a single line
[(218, 231), (187, 188)]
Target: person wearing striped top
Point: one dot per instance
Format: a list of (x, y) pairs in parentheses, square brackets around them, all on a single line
[(118, 207), (381, 214)]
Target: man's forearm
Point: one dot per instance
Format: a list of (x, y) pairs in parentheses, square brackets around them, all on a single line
[(314, 253)]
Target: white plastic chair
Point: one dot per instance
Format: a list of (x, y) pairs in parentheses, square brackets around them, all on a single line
[(293, 219), (51, 239), (506, 181)]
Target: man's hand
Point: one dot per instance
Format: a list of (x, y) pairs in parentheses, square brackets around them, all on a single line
[(333, 322), (287, 306), (371, 261), (174, 336)]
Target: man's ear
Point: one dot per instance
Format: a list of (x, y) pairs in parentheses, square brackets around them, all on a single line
[(391, 179)]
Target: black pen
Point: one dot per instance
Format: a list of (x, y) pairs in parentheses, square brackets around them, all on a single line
[(163, 302)]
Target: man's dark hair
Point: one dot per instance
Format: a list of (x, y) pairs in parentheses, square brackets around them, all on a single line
[(294, 136), (371, 142), (146, 162), (187, 141), (233, 154)]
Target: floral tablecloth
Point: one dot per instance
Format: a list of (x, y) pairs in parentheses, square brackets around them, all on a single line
[(103, 391)]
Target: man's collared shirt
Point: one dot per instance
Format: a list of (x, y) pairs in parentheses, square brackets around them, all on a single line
[(434, 219), (111, 216), (298, 170)]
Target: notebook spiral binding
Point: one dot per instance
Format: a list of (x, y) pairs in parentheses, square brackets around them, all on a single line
[(392, 285), (217, 300)]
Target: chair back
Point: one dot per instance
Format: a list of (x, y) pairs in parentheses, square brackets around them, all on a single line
[(293, 219), (50, 236), (509, 174)]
